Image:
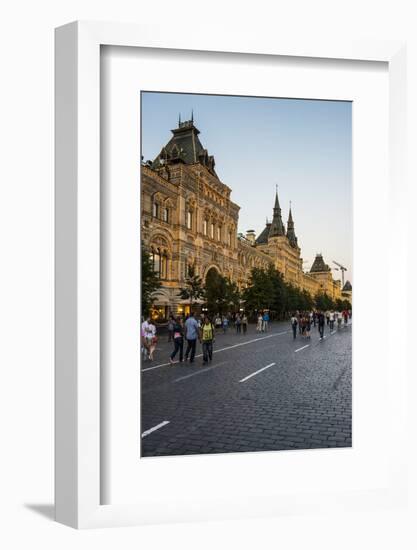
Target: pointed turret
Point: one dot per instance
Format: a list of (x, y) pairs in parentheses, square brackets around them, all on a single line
[(319, 265), (277, 228), (290, 231)]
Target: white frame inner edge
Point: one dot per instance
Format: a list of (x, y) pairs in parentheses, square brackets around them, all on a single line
[(77, 237)]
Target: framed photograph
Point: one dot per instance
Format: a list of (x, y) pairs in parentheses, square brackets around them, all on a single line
[(223, 209)]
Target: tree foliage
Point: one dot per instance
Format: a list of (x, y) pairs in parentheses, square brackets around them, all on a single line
[(150, 282), (222, 294), (268, 290), (193, 289)]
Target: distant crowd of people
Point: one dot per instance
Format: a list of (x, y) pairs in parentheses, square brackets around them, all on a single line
[(302, 321), (185, 332)]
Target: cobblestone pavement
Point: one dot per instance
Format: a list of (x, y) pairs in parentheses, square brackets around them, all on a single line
[(301, 398)]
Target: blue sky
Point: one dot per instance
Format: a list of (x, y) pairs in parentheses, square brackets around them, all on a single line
[(303, 146)]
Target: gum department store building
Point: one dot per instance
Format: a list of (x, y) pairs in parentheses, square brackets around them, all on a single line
[(188, 218)]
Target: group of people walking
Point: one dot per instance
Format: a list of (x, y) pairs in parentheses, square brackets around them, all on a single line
[(191, 331), (301, 322), (184, 334), (262, 323)]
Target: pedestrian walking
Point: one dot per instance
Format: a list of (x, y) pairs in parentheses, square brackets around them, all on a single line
[(238, 324), (327, 317), (294, 323), (191, 334), (339, 319), (259, 324), (303, 325), (321, 319), (144, 349), (300, 323), (171, 323), (265, 321), (218, 322), (244, 323), (308, 326), (345, 316), (151, 339), (225, 324), (207, 339), (178, 337), (148, 329), (331, 320)]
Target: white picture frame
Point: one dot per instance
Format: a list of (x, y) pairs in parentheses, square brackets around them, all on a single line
[(78, 405)]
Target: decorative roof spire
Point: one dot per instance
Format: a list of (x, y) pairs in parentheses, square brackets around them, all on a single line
[(277, 227), (185, 147), (290, 230), (319, 265)]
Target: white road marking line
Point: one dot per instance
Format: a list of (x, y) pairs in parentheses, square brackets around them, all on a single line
[(333, 332), (257, 372), (222, 349), (304, 347), (161, 425), (198, 372)]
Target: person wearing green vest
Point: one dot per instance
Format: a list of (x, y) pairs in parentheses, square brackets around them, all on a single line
[(207, 339)]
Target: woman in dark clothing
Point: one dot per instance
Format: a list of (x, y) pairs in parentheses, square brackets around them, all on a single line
[(178, 340)]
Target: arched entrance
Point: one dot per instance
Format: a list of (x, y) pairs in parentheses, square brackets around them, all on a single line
[(212, 274)]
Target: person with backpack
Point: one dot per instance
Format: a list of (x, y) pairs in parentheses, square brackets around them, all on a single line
[(207, 339), (265, 322)]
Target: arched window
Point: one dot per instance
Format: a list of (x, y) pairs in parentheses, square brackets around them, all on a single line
[(219, 232), (157, 262), (166, 214), (212, 230), (189, 219), (155, 209), (205, 224), (164, 264)]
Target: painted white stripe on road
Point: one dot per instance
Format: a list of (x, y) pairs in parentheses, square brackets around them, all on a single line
[(161, 425), (333, 332), (222, 349), (304, 347), (199, 372), (257, 372)]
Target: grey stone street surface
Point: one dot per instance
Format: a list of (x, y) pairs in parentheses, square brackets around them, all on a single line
[(301, 400)]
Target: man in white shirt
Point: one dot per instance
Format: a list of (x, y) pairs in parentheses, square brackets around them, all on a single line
[(294, 323)]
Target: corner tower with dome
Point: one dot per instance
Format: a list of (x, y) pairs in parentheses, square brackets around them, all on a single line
[(189, 218)]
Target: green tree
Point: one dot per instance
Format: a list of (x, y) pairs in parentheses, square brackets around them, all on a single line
[(323, 301), (194, 288), (150, 282), (259, 293), (221, 294)]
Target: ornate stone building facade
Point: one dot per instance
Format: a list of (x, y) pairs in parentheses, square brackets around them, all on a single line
[(188, 218)]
